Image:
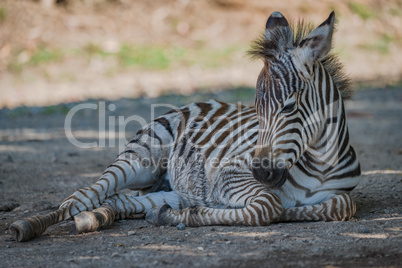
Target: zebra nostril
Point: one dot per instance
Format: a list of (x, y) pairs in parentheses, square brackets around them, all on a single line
[(261, 169), (269, 175)]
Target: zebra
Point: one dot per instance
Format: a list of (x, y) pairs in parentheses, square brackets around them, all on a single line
[(288, 158)]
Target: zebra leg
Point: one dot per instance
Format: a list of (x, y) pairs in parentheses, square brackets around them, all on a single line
[(258, 207), (339, 208), (24, 230), (121, 206), (138, 167)]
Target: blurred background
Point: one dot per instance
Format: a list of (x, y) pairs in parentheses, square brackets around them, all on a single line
[(62, 51)]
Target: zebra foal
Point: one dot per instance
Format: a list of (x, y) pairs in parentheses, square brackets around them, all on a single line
[(213, 163)]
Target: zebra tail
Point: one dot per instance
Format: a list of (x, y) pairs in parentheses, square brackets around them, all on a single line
[(24, 230)]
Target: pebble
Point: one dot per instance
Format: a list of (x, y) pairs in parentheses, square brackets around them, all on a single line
[(181, 226), (200, 248), (131, 233)]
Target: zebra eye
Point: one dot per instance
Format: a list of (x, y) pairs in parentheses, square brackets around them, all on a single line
[(289, 107)]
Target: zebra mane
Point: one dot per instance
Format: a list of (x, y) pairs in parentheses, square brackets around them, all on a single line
[(268, 49)]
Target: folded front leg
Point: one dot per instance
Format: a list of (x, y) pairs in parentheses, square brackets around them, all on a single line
[(258, 210)]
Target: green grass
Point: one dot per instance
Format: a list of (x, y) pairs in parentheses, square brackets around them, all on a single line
[(362, 10), (40, 56), (164, 57), (3, 14), (43, 55), (146, 57), (55, 109)]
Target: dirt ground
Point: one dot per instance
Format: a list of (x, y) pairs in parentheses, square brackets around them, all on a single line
[(39, 167)]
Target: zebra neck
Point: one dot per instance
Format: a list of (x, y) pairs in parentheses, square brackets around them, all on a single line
[(332, 140), (331, 147)]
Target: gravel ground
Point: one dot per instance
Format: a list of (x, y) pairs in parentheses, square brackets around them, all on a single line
[(39, 167)]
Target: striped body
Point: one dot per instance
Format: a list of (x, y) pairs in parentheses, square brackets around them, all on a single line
[(217, 139), (209, 142), (213, 163)]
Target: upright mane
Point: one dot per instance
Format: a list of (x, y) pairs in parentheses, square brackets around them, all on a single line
[(265, 49)]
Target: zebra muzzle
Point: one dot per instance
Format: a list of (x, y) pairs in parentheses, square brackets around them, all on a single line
[(269, 173)]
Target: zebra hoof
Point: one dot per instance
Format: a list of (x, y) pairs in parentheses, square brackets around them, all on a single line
[(86, 222), (158, 216), (22, 231)]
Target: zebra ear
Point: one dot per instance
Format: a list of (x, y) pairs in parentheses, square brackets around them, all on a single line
[(318, 43), (275, 21), (277, 30)]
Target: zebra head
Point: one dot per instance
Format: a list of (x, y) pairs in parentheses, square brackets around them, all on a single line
[(286, 95)]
